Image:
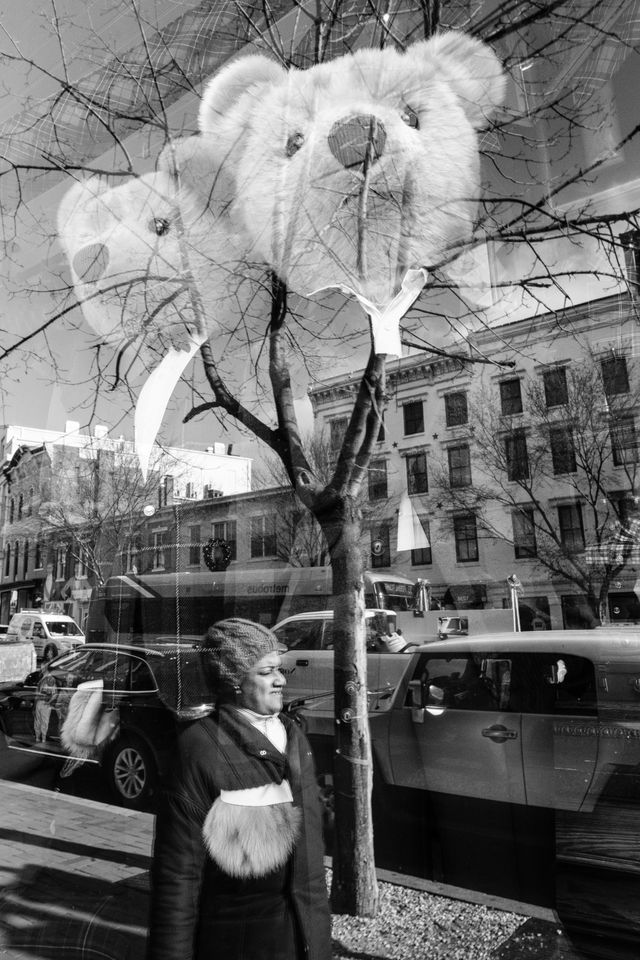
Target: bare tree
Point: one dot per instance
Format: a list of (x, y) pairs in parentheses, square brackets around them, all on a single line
[(540, 241), (95, 505), (559, 457)]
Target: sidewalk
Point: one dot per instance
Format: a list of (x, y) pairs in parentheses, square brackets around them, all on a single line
[(74, 886), (73, 879)]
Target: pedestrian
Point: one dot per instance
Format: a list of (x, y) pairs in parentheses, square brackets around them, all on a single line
[(238, 869)]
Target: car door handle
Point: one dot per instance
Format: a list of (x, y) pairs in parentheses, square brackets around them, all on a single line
[(302, 663), (499, 734)]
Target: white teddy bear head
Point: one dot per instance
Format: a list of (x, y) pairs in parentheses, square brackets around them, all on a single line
[(356, 170)]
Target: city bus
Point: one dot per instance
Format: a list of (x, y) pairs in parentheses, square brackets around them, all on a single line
[(131, 607)]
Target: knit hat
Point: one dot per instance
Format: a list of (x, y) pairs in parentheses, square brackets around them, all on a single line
[(232, 647)]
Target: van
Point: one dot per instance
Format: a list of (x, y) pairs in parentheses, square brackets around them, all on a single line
[(51, 633)]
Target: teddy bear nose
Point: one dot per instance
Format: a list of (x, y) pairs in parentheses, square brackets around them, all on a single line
[(91, 262), (355, 140)]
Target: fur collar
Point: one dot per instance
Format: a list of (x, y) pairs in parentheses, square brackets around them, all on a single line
[(250, 841)]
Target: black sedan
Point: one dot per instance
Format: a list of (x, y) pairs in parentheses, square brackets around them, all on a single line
[(128, 697)]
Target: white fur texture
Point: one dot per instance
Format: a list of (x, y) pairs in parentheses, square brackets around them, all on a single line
[(87, 726), (250, 841), (312, 219)]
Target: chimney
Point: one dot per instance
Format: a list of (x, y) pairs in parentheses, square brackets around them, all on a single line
[(100, 431)]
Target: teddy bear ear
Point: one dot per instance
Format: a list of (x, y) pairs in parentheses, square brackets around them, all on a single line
[(472, 70), (226, 88)]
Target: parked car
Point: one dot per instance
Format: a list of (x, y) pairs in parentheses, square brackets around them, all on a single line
[(308, 664), (139, 685), (17, 659), (512, 761), (51, 633)]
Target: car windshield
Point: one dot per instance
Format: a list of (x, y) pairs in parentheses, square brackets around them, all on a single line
[(63, 628)]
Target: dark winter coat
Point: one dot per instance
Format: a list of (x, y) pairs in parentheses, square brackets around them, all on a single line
[(200, 912)]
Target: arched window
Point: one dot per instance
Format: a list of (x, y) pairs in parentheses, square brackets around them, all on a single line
[(12, 507), (16, 549), (20, 506)]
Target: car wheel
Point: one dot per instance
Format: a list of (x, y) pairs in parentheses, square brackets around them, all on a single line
[(132, 772), (50, 652)]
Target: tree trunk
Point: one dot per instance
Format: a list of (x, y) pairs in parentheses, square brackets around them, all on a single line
[(354, 887)]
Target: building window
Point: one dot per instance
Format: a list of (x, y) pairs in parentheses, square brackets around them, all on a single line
[(25, 560), (133, 555), (30, 502), (16, 557), (455, 409), (378, 480), (524, 534), (157, 549), (12, 508), (555, 387), (7, 560), (466, 536), (61, 563), (516, 456), (615, 376), (194, 546), (631, 245), (381, 546), (263, 536), (413, 415), (417, 480), (571, 527), (510, 397), (226, 530), (624, 441), (82, 563), (37, 562), (459, 465), (563, 451), (423, 555), (337, 430), (20, 506)]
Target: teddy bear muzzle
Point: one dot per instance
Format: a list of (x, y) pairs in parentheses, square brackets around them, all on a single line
[(91, 262), (357, 141)]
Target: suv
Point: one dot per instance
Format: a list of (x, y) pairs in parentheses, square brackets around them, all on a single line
[(51, 633), (308, 663), (139, 691)]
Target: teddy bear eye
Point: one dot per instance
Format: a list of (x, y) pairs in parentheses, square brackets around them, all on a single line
[(159, 226), (294, 143), (410, 117)]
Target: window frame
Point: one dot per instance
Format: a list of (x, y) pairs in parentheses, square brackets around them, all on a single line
[(377, 486), (461, 524), (456, 409), (506, 400), (610, 380), (571, 544), (516, 455), (422, 556), (521, 550), (562, 448), (263, 538), (412, 420), (555, 386), (459, 473), (417, 480)]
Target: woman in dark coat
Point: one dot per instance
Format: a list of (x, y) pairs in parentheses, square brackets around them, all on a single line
[(238, 857)]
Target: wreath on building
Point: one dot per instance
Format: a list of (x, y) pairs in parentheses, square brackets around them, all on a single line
[(217, 554)]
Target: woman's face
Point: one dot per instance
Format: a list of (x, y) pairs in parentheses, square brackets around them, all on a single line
[(261, 690)]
